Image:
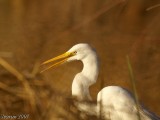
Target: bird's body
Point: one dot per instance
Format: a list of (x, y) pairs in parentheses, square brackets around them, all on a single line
[(116, 103), (113, 102)]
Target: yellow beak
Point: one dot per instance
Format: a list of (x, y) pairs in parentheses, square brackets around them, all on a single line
[(62, 59)]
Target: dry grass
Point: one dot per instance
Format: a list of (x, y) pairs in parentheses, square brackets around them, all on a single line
[(134, 89), (35, 97)]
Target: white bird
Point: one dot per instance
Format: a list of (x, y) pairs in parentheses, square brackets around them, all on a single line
[(113, 102)]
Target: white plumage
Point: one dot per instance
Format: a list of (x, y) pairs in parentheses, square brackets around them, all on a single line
[(113, 102)]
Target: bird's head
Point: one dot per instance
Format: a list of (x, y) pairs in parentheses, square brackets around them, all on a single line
[(77, 52)]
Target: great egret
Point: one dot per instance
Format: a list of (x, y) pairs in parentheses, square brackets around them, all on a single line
[(117, 103)]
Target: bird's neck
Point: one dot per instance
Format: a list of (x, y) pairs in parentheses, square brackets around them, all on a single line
[(84, 79), (90, 69)]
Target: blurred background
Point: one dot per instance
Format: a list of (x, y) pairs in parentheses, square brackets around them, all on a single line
[(32, 31)]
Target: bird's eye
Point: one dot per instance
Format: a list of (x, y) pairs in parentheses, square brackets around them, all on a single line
[(75, 52)]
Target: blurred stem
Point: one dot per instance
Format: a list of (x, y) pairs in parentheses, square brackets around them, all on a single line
[(21, 78), (132, 79)]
